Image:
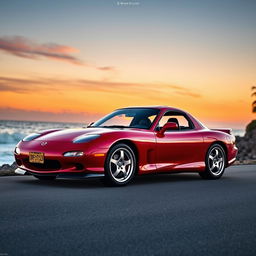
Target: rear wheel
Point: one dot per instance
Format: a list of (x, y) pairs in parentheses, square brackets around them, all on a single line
[(120, 165), (215, 162), (45, 177)]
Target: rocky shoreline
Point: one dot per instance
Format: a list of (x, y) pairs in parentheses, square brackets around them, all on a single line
[(8, 169), (246, 147)]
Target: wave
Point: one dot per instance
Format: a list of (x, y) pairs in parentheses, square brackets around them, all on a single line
[(11, 138)]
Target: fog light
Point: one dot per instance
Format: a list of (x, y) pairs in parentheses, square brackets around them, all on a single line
[(74, 153), (17, 151)]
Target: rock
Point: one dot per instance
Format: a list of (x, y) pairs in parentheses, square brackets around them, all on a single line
[(251, 126), (7, 169), (247, 144), (14, 165)]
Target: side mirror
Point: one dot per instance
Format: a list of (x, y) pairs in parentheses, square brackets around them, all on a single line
[(168, 126)]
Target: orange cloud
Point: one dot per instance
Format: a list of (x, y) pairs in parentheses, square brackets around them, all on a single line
[(106, 68), (25, 48), (158, 90), (71, 98)]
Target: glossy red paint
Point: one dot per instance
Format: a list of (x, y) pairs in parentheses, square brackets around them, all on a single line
[(174, 150)]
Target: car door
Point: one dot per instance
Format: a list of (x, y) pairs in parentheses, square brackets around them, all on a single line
[(179, 149)]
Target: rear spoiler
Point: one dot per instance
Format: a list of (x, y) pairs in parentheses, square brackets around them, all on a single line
[(226, 130)]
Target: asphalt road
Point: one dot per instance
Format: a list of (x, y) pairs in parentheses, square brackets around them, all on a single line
[(177, 214)]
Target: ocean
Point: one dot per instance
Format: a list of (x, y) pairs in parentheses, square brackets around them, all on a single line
[(11, 132)]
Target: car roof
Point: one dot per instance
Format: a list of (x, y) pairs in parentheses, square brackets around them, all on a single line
[(156, 107)]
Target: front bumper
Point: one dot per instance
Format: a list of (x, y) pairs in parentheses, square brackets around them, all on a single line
[(21, 171), (55, 162)]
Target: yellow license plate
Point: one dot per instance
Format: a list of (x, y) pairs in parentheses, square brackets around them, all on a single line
[(36, 157)]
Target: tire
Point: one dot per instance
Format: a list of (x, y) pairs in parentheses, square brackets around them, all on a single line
[(215, 163), (45, 177), (120, 165)]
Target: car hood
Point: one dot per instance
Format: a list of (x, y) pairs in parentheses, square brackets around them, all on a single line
[(70, 134)]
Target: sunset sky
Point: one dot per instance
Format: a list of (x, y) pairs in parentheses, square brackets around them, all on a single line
[(78, 60)]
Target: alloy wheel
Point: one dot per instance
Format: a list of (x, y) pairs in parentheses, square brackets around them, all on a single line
[(121, 164), (216, 161)]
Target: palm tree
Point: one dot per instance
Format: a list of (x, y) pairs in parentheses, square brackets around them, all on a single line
[(254, 102)]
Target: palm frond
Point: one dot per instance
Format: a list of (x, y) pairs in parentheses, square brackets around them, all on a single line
[(253, 87), (254, 94)]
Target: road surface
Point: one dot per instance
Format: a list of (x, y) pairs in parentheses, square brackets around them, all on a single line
[(177, 214)]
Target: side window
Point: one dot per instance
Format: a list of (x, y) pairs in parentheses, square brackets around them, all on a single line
[(182, 120)]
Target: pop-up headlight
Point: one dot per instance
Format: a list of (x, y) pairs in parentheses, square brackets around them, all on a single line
[(31, 136), (86, 138)]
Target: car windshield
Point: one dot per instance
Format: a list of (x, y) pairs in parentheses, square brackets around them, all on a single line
[(141, 118)]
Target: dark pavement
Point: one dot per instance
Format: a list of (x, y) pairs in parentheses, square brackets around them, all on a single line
[(177, 214)]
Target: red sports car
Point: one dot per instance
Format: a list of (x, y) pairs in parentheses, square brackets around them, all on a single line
[(130, 141)]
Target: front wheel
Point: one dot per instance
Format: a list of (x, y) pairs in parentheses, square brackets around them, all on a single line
[(215, 162), (120, 165), (45, 177)]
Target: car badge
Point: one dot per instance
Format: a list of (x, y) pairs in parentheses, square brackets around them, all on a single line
[(43, 143)]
